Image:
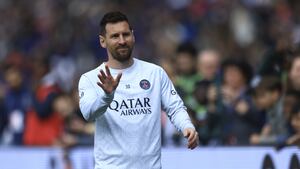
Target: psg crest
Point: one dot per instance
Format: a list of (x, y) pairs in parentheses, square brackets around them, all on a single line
[(145, 84)]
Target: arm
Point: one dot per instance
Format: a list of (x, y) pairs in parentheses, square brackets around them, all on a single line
[(176, 111)]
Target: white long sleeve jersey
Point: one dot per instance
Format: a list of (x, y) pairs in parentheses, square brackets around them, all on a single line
[(128, 122)]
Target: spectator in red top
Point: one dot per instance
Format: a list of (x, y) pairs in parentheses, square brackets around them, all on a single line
[(43, 124)]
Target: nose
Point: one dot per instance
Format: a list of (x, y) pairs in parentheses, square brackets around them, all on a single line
[(122, 40)]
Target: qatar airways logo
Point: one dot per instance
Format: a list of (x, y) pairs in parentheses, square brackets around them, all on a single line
[(130, 107)]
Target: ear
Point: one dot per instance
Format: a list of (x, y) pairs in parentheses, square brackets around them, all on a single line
[(102, 41)]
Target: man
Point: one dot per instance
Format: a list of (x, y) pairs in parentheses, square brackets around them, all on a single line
[(127, 110), (208, 64)]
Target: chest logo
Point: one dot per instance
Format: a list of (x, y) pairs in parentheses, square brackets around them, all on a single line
[(145, 84)]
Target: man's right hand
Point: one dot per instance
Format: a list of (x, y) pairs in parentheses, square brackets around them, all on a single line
[(108, 83)]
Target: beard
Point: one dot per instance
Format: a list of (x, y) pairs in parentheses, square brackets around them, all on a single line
[(121, 53)]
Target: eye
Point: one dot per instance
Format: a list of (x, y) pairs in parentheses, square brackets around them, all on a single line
[(114, 36), (126, 34)]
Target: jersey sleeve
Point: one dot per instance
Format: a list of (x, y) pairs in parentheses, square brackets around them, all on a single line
[(173, 105), (91, 103)]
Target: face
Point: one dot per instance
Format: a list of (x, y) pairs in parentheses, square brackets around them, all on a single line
[(265, 100), (14, 78), (208, 64), (118, 40), (200, 94), (295, 72), (233, 77), (295, 121), (185, 63), (64, 106)]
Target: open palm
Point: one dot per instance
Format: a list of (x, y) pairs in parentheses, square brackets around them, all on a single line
[(107, 82)]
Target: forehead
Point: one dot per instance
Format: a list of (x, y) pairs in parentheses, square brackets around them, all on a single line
[(260, 93), (118, 27), (296, 62), (232, 68), (208, 56)]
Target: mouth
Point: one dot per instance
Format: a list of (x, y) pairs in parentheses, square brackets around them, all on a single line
[(123, 48)]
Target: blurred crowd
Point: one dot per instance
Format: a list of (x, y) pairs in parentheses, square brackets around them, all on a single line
[(236, 65)]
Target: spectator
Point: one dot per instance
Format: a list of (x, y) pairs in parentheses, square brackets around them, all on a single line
[(208, 64), (16, 102), (294, 121), (234, 118), (43, 125), (186, 69), (199, 116), (185, 80), (269, 97), (63, 105), (77, 132)]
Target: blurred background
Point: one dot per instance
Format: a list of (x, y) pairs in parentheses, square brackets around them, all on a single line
[(236, 65)]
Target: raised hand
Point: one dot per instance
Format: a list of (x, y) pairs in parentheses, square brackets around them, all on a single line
[(108, 83)]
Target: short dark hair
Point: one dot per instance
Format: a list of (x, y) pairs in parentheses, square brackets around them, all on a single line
[(268, 83), (243, 66), (187, 47), (112, 17)]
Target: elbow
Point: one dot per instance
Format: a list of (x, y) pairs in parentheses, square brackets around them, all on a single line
[(86, 113), (90, 115), (87, 116), (91, 112)]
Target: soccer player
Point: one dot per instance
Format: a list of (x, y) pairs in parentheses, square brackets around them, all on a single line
[(124, 96)]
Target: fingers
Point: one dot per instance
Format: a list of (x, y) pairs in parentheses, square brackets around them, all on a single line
[(189, 134), (107, 71), (192, 140), (100, 85), (101, 78), (107, 82), (106, 75), (103, 74), (192, 137), (186, 133), (194, 145)]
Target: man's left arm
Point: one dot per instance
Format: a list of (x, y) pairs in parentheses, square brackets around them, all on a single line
[(173, 105)]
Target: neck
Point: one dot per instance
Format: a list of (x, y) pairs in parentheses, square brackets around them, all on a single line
[(115, 64)]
